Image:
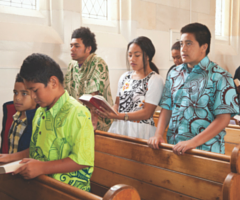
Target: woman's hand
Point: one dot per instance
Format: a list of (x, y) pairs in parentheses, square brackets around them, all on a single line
[(154, 142), (105, 114)]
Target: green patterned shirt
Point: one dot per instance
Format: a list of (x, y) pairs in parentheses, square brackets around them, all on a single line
[(65, 130), (91, 77)]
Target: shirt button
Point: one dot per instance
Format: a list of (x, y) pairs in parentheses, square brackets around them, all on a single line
[(40, 132), (43, 117)]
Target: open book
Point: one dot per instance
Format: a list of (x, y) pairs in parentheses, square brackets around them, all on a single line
[(10, 167), (237, 82), (97, 101)]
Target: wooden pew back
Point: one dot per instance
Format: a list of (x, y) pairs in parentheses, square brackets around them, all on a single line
[(158, 174), (44, 187)]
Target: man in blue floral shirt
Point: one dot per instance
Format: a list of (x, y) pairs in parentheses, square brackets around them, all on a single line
[(199, 98)]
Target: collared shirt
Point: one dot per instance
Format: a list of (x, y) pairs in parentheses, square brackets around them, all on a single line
[(17, 128), (91, 77), (65, 130), (195, 99)]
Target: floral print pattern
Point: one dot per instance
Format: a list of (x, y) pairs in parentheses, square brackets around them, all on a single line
[(196, 98), (91, 77)]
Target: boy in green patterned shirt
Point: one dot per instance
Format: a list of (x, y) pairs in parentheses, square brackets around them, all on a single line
[(62, 143), (88, 73)]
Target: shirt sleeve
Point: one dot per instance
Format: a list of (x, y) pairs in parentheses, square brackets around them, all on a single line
[(120, 83), (226, 100), (155, 89), (166, 99), (98, 77), (82, 138), (67, 78)]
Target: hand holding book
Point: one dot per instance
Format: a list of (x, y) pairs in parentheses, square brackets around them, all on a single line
[(98, 102), (105, 113)]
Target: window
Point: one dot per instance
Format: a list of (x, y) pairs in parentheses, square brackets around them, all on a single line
[(29, 4), (223, 19), (219, 18), (95, 9)]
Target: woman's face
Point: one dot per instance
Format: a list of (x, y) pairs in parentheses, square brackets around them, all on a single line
[(135, 57)]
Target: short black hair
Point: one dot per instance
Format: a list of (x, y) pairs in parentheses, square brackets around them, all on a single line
[(38, 68), (18, 79), (176, 46), (201, 33), (86, 36)]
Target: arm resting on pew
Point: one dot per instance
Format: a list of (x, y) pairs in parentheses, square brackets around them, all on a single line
[(34, 168), (5, 158), (163, 122), (210, 132)]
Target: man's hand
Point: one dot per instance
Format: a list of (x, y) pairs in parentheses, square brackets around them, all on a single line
[(181, 147), (154, 142), (5, 158), (31, 169)]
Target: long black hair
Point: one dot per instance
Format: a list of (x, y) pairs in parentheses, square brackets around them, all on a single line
[(147, 48)]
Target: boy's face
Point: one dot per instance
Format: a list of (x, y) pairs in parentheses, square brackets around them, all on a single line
[(22, 98), (42, 95), (191, 52), (176, 57), (78, 50)]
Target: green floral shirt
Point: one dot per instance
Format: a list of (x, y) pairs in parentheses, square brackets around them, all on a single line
[(91, 77), (65, 130)]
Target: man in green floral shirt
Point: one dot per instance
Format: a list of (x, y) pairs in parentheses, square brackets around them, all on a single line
[(87, 73)]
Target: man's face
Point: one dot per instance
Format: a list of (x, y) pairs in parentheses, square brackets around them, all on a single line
[(176, 57), (78, 50), (191, 52)]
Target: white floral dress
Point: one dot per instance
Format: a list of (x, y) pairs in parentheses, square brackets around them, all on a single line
[(132, 96)]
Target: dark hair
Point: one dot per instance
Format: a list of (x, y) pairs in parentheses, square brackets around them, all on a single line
[(147, 48), (176, 46), (39, 68), (201, 33), (87, 37), (18, 79)]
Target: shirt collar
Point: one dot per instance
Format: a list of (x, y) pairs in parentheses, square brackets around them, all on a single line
[(58, 105), (203, 64), (17, 115)]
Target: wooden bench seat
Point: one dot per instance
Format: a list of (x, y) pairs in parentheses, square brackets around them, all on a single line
[(160, 174), (44, 187)]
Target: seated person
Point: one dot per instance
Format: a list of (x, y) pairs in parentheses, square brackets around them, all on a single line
[(198, 98), (175, 50), (138, 93), (62, 143), (21, 129)]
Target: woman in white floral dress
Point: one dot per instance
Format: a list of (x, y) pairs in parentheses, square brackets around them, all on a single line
[(139, 92)]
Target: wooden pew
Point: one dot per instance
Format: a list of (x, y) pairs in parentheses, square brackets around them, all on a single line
[(160, 174), (232, 137), (44, 187)]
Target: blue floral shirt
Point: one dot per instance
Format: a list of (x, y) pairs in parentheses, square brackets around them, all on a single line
[(195, 98)]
